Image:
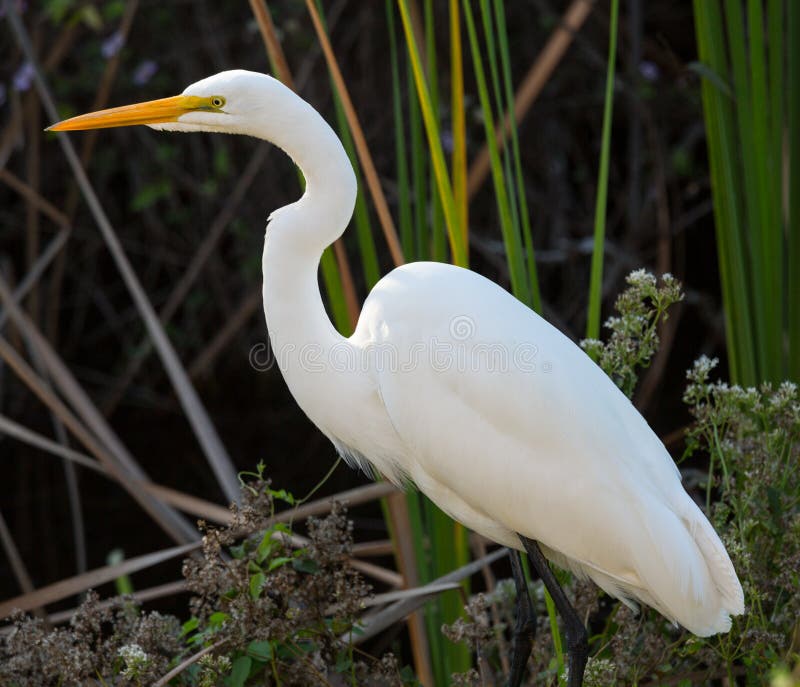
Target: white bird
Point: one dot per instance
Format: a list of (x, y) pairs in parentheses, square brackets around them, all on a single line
[(451, 383)]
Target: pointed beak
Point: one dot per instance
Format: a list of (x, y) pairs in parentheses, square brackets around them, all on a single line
[(151, 112)]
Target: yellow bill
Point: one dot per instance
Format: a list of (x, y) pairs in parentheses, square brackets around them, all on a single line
[(151, 112)]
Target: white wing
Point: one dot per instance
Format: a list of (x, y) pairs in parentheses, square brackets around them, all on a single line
[(509, 427)]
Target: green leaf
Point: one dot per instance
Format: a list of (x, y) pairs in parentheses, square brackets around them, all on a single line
[(278, 562), (216, 620), (408, 677), (123, 582), (257, 583), (282, 495), (189, 626), (260, 650), (265, 546), (343, 662), (239, 550), (306, 565), (240, 671)]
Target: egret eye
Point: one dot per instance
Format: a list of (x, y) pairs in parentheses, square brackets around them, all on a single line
[(217, 101)]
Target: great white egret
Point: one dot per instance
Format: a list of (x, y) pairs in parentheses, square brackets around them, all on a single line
[(451, 383)]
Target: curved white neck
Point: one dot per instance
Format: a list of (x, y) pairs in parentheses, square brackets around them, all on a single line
[(301, 334)]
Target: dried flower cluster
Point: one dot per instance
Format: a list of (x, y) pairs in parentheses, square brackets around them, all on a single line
[(117, 640), (634, 331), (276, 605), (753, 497), (274, 613)]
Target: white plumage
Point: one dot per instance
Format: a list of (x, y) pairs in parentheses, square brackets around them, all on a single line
[(554, 452), (450, 382)]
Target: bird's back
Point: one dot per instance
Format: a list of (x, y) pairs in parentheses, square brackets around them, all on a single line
[(511, 428)]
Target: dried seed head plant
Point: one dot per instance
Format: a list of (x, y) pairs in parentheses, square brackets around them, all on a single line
[(273, 613)]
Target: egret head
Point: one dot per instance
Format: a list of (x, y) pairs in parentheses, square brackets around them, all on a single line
[(226, 102)]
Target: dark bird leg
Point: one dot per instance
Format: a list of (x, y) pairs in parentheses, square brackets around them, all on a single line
[(577, 639), (525, 626)]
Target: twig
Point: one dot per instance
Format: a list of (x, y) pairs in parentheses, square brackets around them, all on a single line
[(406, 558), (91, 579), (183, 665), (32, 224), (380, 621), (33, 197), (383, 547), (158, 592), (351, 497), (33, 275), (270, 37), (18, 431), (17, 564)]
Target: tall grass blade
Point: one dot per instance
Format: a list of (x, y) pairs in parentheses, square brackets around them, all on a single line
[(519, 281), (596, 276), (458, 117), (437, 243), (443, 186), (404, 193), (720, 135), (530, 260), (419, 165), (747, 131), (765, 264), (775, 252), (334, 291), (537, 76), (793, 187)]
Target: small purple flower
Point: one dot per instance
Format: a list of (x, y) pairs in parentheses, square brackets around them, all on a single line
[(144, 72), (112, 45), (649, 70), (23, 77), (447, 141)]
